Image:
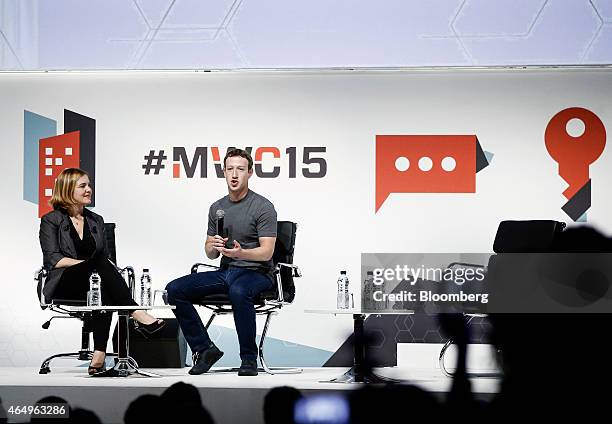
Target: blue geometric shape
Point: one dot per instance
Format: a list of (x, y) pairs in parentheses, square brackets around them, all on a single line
[(278, 353), (199, 14), (583, 218), (497, 17), (489, 156), (35, 127), (154, 10), (604, 9), (549, 42), (93, 34), (322, 33), (600, 49)]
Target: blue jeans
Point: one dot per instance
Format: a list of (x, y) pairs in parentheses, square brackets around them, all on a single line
[(241, 285)]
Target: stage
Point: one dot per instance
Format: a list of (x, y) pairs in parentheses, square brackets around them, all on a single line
[(229, 398)]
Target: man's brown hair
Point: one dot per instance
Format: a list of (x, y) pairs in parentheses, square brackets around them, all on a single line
[(242, 154)]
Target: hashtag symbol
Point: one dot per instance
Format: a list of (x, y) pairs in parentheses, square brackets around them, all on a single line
[(158, 159)]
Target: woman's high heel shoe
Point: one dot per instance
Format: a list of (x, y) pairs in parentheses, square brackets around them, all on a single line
[(91, 370), (149, 329), (94, 370)]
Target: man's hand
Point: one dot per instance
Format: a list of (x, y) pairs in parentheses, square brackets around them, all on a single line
[(218, 242), (235, 252), (212, 245), (215, 245)]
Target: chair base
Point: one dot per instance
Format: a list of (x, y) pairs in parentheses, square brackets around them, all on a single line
[(283, 370), (125, 367), (446, 372), (83, 355), (260, 354), (353, 375), (451, 341)]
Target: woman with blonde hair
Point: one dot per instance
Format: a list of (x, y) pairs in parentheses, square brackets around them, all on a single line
[(73, 244)]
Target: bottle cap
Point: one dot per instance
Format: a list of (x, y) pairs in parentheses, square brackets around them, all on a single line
[(343, 272), (145, 270)]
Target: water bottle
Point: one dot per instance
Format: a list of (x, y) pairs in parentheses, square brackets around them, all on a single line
[(94, 297), (343, 295), (145, 288)]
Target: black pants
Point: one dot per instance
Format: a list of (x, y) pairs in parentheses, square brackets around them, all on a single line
[(74, 285)]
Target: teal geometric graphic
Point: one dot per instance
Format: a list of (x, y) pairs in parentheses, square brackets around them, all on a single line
[(278, 353), (35, 127)]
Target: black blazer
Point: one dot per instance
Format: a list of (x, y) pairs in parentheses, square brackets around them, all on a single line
[(56, 243)]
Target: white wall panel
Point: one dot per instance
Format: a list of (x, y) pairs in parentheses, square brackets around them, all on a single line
[(161, 220)]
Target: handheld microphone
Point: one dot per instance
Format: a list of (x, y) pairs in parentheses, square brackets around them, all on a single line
[(220, 221), (221, 230)]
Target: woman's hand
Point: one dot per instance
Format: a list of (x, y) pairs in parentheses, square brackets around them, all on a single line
[(67, 262)]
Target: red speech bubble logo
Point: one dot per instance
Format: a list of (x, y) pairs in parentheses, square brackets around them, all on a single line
[(427, 164)]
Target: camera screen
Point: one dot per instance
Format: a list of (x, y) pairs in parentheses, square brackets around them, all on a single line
[(322, 409)]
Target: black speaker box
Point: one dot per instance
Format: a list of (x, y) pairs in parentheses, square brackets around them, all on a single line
[(165, 349)]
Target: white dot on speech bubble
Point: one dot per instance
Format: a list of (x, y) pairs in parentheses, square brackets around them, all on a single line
[(449, 164), (402, 164), (575, 127), (425, 164)]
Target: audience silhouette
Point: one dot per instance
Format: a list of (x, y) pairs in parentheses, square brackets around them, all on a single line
[(145, 408), (182, 403), (56, 400), (279, 404), (551, 361), (3, 417)]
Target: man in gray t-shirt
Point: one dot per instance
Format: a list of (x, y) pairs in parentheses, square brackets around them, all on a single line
[(245, 222), (246, 248)]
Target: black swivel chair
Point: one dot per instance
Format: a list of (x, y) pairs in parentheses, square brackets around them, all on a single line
[(537, 236), (62, 306), (269, 302)]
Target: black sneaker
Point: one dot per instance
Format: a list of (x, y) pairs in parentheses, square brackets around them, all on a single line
[(203, 360), (248, 367)]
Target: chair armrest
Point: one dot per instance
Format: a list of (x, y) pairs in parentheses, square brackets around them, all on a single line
[(131, 279), (131, 276), (194, 267), (295, 272), (40, 276), (295, 269)]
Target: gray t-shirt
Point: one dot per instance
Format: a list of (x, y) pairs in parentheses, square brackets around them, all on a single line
[(246, 220)]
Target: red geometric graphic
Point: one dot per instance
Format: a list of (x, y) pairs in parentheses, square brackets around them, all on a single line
[(425, 164), (54, 155), (575, 154)]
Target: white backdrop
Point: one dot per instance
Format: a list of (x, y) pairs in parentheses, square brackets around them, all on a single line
[(161, 221)]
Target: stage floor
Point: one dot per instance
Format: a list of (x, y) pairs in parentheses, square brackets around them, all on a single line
[(110, 397)]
